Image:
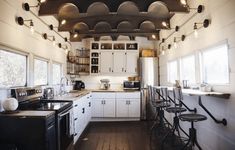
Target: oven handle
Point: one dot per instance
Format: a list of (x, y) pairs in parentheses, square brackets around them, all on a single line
[(65, 112)]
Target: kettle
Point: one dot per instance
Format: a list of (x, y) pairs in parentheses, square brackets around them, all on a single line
[(79, 85)]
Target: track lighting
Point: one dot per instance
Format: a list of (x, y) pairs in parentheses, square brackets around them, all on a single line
[(53, 41), (204, 24)]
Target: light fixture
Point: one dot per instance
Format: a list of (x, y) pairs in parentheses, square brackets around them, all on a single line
[(204, 24), (169, 46), (66, 39), (153, 36), (199, 9), (175, 43), (75, 35), (21, 22), (183, 2), (59, 45), (26, 6), (31, 27), (53, 39), (63, 22), (164, 24), (44, 35), (195, 30)]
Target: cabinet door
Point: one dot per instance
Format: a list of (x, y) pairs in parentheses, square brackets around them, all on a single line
[(97, 108), (122, 108), (109, 107), (131, 62), (134, 108), (88, 108), (106, 62), (119, 61)]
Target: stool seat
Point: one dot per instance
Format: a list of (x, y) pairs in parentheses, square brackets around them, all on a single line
[(192, 117), (175, 109)]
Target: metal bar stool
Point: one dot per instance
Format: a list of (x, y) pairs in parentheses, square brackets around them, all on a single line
[(177, 109), (192, 118)]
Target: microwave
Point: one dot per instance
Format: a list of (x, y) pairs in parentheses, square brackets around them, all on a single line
[(131, 85)]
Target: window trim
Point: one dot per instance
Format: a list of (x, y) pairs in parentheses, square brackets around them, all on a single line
[(48, 71), (14, 50), (211, 48), (61, 73)]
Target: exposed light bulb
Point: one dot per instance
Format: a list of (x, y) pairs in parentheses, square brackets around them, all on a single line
[(54, 43), (183, 2), (164, 24), (195, 34), (163, 52), (175, 43), (75, 35), (63, 22), (66, 51), (154, 36), (31, 27), (42, 1)]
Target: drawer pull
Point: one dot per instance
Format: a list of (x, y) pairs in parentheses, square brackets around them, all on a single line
[(76, 119)]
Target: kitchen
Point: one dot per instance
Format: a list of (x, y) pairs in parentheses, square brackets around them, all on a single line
[(73, 60)]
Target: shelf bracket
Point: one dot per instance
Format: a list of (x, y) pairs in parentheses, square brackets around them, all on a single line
[(223, 121)]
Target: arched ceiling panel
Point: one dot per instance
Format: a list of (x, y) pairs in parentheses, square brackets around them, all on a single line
[(147, 26), (128, 8), (102, 27), (124, 26), (158, 9), (68, 10), (97, 8)]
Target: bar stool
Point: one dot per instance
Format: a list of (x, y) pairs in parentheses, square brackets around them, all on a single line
[(176, 110), (192, 118)]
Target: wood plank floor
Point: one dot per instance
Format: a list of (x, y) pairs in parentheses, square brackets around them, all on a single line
[(115, 136)]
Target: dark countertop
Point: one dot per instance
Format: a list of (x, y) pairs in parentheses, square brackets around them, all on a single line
[(23, 113)]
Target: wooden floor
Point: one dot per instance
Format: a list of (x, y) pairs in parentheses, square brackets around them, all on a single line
[(115, 136)]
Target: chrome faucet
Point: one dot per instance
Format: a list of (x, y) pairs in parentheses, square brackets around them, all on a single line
[(62, 85)]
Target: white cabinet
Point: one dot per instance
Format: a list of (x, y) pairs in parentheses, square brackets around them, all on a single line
[(132, 62), (103, 104), (128, 104), (106, 62), (119, 62), (82, 115)]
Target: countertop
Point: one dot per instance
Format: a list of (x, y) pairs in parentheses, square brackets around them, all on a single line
[(75, 94), (26, 113)]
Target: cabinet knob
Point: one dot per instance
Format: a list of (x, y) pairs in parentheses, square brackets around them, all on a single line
[(76, 119), (83, 110), (76, 105), (89, 104)]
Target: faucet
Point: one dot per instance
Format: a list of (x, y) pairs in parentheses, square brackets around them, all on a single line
[(62, 85)]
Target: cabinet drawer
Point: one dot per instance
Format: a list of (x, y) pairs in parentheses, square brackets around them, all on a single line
[(106, 95), (128, 95)]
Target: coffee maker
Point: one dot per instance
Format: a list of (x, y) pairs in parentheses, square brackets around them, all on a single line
[(79, 85)]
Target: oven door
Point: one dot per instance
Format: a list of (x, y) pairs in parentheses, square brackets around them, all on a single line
[(65, 128)]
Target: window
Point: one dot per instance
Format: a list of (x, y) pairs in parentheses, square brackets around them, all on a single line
[(40, 72), (187, 67), (56, 73), (172, 71), (215, 69), (13, 70)]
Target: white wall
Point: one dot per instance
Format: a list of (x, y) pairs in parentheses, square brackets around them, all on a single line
[(211, 136), (19, 38)]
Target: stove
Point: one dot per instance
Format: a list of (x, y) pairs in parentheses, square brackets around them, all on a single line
[(32, 99)]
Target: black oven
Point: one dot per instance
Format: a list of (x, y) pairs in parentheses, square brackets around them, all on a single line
[(64, 128)]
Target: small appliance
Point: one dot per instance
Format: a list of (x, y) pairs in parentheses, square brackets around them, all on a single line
[(48, 93), (79, 85), (131, 85), (104, 84)]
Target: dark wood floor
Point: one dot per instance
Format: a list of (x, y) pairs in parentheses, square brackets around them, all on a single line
[(115, 136)]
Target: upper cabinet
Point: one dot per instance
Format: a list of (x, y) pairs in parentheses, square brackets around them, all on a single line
[(114, 58)]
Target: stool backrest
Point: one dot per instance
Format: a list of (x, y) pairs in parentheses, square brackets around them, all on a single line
[(178, 96), (164, 93)]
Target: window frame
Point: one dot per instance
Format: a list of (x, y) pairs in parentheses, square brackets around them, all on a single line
[(195, 67), (177, 68), (18, 52), (48, 69), (201, 60), (61, 70)]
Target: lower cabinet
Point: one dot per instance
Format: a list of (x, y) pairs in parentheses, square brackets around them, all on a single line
[(82, 115), (128, 108), (103, 107)]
